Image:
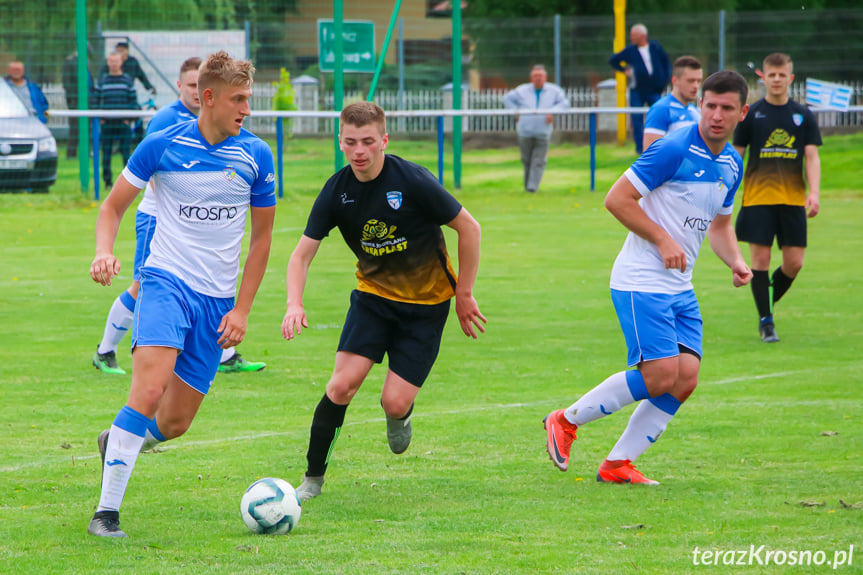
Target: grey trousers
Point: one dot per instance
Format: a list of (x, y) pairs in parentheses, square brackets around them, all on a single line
[(533, 155)]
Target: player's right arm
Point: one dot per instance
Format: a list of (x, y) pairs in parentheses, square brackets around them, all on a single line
[(298, 271), (105, 265), (622, 201)]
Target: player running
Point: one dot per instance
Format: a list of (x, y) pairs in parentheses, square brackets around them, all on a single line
[(389, 212), (208, 176), (119, 320), (679, 191)]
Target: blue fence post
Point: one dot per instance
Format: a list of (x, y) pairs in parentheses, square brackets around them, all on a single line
[(280, 153), (593, 152), (440, 149), (97, 176)]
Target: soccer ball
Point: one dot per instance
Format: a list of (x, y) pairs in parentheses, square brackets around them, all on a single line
[(271, 506)]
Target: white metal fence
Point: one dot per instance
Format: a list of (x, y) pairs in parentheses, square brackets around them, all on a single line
[(579, 97)]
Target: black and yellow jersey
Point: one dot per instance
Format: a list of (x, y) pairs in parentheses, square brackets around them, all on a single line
[(776, 137), (393, 226)]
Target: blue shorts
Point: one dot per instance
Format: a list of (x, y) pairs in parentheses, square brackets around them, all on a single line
[(658, 325), (170, 314), (145, 227)]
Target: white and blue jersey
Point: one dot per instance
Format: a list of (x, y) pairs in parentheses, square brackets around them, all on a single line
[(683, 187), (203, 194), (668, 115), (164, 118)]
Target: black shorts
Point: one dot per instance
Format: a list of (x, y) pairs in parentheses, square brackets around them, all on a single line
[(760, 224), (408, 333)]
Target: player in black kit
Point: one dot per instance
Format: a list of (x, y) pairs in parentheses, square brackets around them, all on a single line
[(389, 212)]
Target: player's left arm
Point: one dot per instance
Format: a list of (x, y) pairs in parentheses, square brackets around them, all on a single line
[(723, 240), (813, 179), (234, 323), (466, 308)]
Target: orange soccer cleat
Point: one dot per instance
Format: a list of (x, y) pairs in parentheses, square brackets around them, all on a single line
[(622, 472), (561, 434)]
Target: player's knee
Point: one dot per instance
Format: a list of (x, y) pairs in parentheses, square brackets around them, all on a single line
[(685, 386), (660, 379), (396, 406), (342, 391), (792, 268)]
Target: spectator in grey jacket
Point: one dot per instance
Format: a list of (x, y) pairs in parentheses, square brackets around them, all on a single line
[(534, 130)]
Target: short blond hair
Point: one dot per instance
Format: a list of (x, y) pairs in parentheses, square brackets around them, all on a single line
[(220, 69)]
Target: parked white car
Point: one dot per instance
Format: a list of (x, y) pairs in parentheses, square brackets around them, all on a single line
[(28, 151)]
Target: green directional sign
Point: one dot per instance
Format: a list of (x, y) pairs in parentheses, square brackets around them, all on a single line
[(358, 45)]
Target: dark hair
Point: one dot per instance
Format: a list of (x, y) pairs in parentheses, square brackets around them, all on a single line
[(361, 114), (192, 63), (724, 82), (122, 45), (777, 59), (688, 62)]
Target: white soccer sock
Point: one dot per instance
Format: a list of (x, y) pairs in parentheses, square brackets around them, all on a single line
[(604, 399), (227, 354), (120, 457), (117, 325), (643, 430), (150, 441)]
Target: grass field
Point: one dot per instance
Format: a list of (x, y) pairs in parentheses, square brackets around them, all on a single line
[(766, 452)]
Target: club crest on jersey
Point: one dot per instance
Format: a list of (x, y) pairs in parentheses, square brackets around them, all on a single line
[(230, 173), (394, 199), (798, 119)]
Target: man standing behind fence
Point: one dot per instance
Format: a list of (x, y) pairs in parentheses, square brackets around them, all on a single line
[(534, 130), (648, 68), (115, 91)]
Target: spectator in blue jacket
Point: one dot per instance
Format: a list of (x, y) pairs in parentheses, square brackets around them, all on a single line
[(534, 130), (28, 92), (648, 68)]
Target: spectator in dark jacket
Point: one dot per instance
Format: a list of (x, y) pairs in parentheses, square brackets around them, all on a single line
[(131, 67), (114, 91), (648, 68), (28, 92)]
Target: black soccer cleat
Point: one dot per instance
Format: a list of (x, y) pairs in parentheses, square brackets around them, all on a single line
[(106, 524)]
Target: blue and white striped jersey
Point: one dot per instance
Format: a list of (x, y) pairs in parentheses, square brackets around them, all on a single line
[(669, 114), (683, 187), (164, 118), (203, 194)]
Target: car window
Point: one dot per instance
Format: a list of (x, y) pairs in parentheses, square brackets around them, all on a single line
[(10, 105)]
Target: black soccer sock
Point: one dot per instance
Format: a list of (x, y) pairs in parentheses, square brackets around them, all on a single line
[(781, 283), (326, 426), (761, 292)]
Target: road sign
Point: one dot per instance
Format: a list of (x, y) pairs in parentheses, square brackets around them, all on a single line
[(358, 45)]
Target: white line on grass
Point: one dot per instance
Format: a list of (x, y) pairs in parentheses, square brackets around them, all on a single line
[(204, 442)]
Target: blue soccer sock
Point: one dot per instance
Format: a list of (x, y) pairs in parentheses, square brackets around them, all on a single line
[(619, 390), (646, 424), (118, 323), (121, 453)]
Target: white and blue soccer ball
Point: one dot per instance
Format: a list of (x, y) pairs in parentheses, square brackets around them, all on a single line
[(271, 506)]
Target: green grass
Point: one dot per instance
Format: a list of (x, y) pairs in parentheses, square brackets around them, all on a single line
[(744, 463)]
